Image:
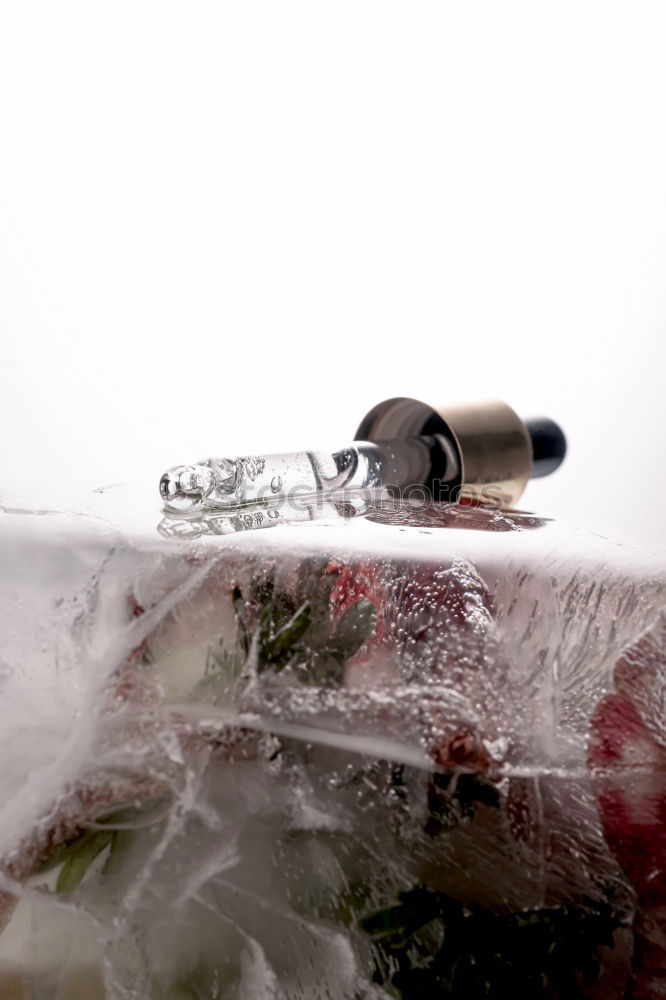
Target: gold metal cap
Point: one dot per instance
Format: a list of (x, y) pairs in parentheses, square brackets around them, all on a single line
[(492, 444)]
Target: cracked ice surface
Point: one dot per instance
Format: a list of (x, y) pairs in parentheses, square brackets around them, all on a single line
[(332, 760)]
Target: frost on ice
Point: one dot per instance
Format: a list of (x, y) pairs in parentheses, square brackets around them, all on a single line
[(383, 753)]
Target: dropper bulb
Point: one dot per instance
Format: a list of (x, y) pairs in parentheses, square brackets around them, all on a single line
[(549, 445)]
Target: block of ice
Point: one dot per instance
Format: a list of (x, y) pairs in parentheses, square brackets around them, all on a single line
[(381, 752)]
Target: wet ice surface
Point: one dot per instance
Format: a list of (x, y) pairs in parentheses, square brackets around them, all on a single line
[(375, 753)]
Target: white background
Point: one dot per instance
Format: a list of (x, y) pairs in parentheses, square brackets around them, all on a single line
[(228, 228)]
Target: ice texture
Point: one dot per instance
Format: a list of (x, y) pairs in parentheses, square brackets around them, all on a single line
[(379, 752)]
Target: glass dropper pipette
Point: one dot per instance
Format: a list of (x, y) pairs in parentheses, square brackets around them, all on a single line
[(221, 483), (483, 450)]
